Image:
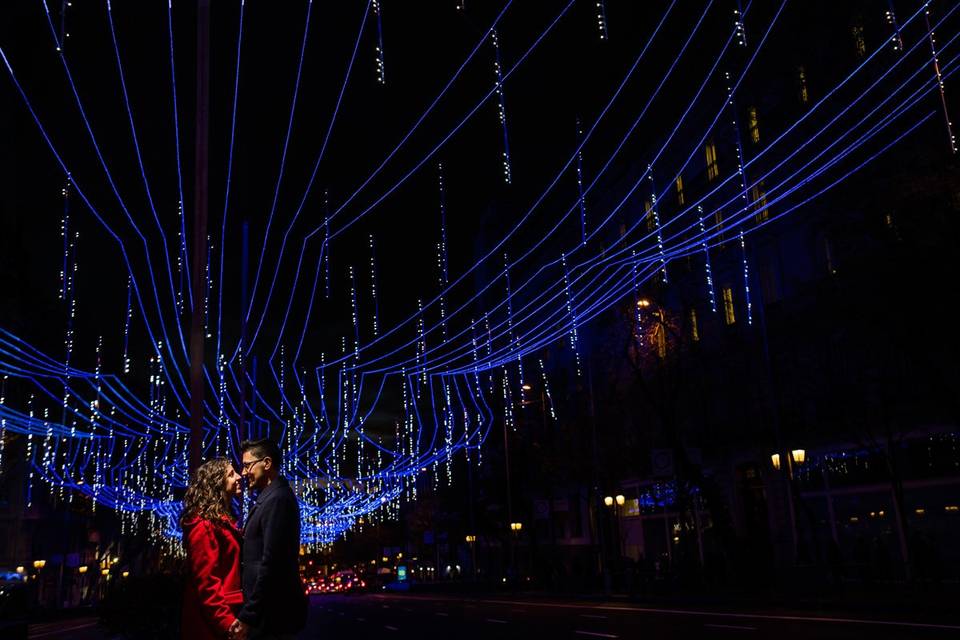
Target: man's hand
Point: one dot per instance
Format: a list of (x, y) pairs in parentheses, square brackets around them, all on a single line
[(239, 630)]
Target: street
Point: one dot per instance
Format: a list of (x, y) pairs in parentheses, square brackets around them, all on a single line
[(438, 617), (426, 617)]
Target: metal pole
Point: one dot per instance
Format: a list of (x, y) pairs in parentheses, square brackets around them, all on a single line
[(201, 180), (506, 462)]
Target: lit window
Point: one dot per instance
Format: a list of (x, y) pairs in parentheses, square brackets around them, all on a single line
[(680, 199), (858, 42), (804, 93), (661, 337), (728, 313), (694, 327), (648, 215), (754, 125), (712, 169), (718, 219), (760, 202)]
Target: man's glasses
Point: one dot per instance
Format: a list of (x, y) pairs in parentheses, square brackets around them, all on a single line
[(249, 465)]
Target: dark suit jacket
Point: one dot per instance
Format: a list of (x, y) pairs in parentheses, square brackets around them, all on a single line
[(273, 596)]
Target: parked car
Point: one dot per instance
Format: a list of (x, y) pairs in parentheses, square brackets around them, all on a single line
[(14, 599)]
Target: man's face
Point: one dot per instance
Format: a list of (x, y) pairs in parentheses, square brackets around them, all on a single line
[(255, 469)]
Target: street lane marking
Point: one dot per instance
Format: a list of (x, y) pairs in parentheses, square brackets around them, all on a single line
[(386, 626), (496, 621), (596, 634), (361, 619), (444, 615), (62, 631), (594, 616), (709, 614), (730, 626)]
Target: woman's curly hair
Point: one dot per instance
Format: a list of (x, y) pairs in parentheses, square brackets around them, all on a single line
[(204, 496)]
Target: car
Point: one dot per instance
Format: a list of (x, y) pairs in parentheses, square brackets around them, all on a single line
[(14, 598), (316, 585), (347, 581)]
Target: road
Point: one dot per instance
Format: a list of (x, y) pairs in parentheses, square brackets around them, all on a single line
[(402, 617), (424, 618)]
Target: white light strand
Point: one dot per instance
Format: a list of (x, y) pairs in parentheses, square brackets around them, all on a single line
[(896, 40), (381, 68), (546, 390), (573, 318), (501, 107), (602, 19), (936, 68), (373, 285), (746, 279), (656, 222), (582, 197), (708, 269)]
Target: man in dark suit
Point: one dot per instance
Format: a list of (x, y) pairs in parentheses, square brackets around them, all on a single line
[(274, 604)]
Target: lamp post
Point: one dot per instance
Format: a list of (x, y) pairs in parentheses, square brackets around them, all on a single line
[(472, 541), (794, 457), (39, 565), (82, 570), (515, 528), (615, 503)]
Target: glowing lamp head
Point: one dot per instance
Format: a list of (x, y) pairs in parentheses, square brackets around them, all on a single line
[(775, 460), (799, 455), (608, 501), (620, 500)]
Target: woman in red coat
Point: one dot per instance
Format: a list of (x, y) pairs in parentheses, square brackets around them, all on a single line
[(212, 540)]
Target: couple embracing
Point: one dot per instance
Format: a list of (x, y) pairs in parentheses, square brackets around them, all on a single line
[(242, 584)]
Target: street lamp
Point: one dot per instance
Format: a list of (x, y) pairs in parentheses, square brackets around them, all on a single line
[(471, 540), (83, 569), (516, 526), (620, 500), (795, 457), (39, 565), (608, 501)]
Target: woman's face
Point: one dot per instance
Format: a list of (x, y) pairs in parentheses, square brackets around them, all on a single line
[(231, 483)]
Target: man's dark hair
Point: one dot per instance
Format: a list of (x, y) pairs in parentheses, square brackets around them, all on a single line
[(264, 448)]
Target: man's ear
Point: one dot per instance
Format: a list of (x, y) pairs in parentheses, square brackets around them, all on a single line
[(267, 463)]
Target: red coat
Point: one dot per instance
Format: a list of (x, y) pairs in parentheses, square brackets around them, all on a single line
[(212, 592)]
